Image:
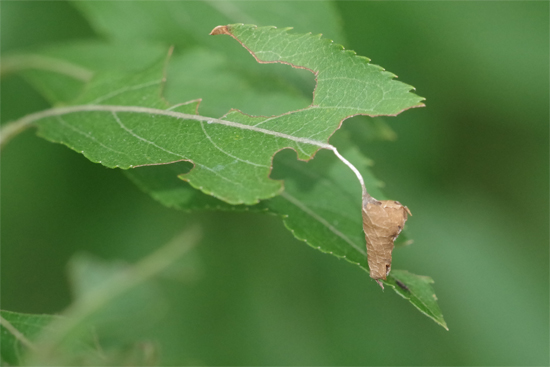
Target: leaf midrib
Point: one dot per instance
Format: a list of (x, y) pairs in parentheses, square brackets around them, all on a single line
[(29, 119)]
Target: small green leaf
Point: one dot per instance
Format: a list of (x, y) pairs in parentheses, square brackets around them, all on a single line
[(17, 333)]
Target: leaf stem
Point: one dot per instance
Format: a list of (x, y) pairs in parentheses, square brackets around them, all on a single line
[(12, 129), (365, 194), (15, 63)]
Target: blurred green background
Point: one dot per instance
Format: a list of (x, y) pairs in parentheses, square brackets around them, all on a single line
[(472, 166)]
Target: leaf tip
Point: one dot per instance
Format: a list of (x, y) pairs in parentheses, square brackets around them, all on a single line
[(221, 29)]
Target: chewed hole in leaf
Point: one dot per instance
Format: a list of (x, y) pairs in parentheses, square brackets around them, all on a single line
[(237, 82), (165, 175), (286, 165)]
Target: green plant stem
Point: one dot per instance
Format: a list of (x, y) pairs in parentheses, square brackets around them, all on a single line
[(16, 63), (12, 129)]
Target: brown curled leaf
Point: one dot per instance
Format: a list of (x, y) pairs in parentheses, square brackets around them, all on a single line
[(382, 223)]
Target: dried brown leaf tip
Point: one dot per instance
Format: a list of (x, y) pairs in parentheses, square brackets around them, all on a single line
[(221, 29), (382, 223)]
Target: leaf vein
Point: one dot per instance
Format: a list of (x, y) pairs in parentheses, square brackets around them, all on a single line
[(228, 154), (117, 119), (321, 220), (77, 130), (124, 90)]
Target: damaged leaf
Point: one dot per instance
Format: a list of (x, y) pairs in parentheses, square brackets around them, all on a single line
[(125, 122), (325, 214), (319, 206)]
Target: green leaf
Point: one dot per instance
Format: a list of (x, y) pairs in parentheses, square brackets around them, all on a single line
[(59, 72), (17, 333), (213, 77), (186, 24), (418, 289), (300, 210), (115, 305), (125, 123), (319, 206)]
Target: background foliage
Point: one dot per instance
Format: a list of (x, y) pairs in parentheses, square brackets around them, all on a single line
[(472, 166)]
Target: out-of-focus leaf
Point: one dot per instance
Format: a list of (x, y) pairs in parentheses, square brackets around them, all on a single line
[(187, 24), (114, 304), (114, 307), (370, 129), (213, 77), (17, 333), (59, 72)]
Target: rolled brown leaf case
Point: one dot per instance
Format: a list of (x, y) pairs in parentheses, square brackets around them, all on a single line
[(382, 223)]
